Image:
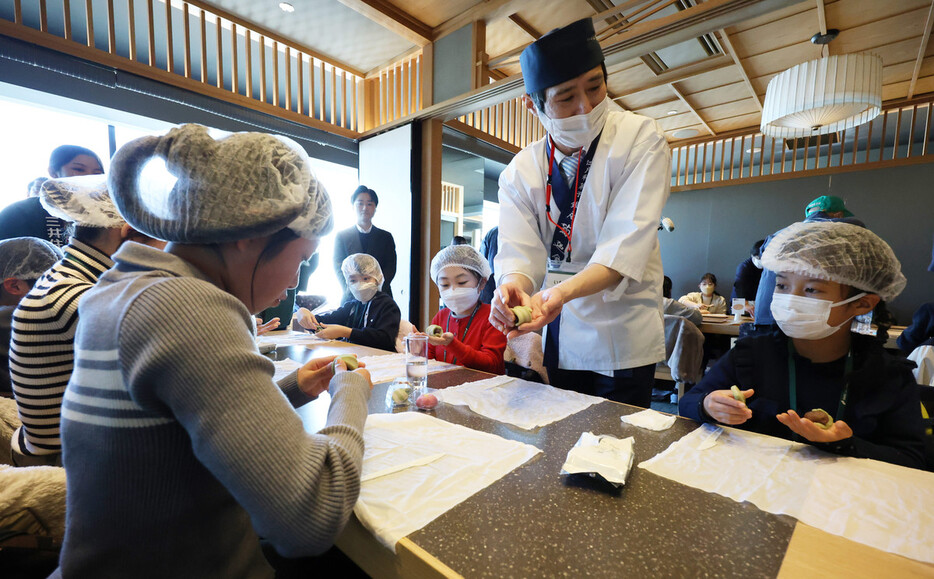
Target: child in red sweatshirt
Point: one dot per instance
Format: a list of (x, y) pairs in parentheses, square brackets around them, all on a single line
[(467, 339)]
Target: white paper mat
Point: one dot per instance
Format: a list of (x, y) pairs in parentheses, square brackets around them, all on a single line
[(871, 502), (290, 338), (392, 366), (407, 485), (518, 402)]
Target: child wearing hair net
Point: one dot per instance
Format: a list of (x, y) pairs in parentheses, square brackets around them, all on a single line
[(180, 450), (371, 318), (815, 381), (468, 338)]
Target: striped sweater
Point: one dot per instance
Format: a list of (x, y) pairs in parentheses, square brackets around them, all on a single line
[(42, 345), (179, 449)]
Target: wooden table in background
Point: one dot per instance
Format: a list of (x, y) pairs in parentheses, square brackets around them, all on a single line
[(535, 523), (729, 328)]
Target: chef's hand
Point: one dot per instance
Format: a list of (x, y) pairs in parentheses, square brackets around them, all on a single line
[(269, 326), (546, 305), (722, 407), (803, 427), (506, 296), (333, 331)]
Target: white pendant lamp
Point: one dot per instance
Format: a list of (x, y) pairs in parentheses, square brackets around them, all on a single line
[(823, 96)]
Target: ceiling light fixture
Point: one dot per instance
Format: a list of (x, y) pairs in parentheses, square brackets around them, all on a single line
[(286, 7), (824, 95), (671, 112)]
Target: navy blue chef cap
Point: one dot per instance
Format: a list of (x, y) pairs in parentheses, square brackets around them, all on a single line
[(560, 55)]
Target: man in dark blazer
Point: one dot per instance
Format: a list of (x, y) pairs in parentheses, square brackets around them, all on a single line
[(365, 237)]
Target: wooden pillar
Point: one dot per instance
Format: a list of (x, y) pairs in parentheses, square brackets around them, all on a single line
[(481, 73), (430, 227), (426, 76)]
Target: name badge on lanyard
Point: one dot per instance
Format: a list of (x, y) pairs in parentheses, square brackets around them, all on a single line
[(558, 271)]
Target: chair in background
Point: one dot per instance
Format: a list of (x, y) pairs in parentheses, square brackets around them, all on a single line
[(684, 353), (524, 358)]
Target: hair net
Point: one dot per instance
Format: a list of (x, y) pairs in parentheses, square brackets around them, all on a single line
[(188, 187), (839, 252), (362, 264), (26, 257), (83, 201), (463, 256)]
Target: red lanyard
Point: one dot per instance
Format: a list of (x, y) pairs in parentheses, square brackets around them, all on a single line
[(576, 193), (447, 325)]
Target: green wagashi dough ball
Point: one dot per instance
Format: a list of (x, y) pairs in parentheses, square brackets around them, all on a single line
[(401, 395), (523, 314), (820, 417), (434, 330), (738, 394), (350, 361)]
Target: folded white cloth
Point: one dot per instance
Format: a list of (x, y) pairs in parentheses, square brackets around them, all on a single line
[(518, 402), (416, 467), (604, 455), (650, 419), (867, 501)]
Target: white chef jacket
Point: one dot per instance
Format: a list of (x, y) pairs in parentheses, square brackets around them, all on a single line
[(616, 226)]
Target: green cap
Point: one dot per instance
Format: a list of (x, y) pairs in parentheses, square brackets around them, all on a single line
[(827, 204)]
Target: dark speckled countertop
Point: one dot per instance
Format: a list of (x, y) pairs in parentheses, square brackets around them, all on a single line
[(535, 522)]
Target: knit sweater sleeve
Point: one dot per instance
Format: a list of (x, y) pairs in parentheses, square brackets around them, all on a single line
[(298, 488)]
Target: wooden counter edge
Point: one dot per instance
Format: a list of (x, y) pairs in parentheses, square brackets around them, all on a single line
[(812, 552), (409, 561)]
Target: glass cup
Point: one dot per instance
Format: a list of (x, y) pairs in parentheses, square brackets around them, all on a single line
[(416, 363)]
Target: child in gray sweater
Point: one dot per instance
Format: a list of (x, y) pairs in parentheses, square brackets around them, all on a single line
[(179, 448)]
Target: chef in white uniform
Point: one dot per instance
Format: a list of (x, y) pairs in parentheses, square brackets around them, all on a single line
[(579, 214)]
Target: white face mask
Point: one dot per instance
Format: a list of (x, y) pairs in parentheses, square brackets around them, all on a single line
[(707, 289), (757, 263), (577, 131), (364, 291), (806, 318), (460, 299)]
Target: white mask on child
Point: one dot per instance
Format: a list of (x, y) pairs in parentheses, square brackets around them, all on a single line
[(364, 291), (460, 299), (806, 318)]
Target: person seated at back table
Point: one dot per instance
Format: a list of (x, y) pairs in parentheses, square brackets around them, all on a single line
[(672, 308), (371, 318), (826, 274), (707, 300), (748, 274), (921, 330), (468, 338)]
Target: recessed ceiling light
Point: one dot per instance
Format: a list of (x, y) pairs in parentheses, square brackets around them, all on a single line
[(671, 112), (286, 7), (685, 133)]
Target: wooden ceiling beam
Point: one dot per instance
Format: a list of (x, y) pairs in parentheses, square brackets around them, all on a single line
[(388, 16), (925, 36), (725, 39), (525, 26), (681, 73), (691, 107), (644, 37), (486, 10)]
